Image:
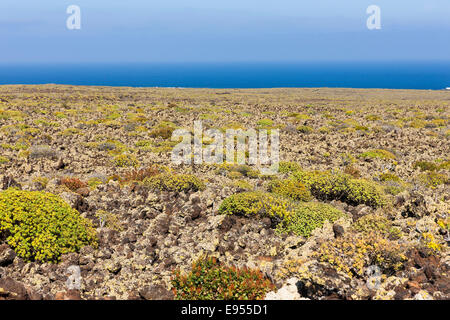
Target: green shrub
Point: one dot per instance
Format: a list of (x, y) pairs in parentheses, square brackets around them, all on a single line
[(288, 167), (352, 254), (125, 160), (93, 183), (392, 183), (290, 189), (256, 203), (377, 153), (389, 177), (243, 169), (210, 280), (163, 130), (375, 223), (360, 191), (243, 185), (328, 186), (40, 226), (372, 117), (265, 123), (425, 166), (174, 182), (287, 215), (307, 217), (445, 165), (433, 179), (305, 129)]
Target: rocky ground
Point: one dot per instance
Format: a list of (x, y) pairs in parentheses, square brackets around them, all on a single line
[(98, 134)]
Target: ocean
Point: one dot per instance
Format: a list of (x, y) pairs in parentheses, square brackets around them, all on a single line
[(389, 75)]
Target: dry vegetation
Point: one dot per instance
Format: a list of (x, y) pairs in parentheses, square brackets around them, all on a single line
[(364, 181)]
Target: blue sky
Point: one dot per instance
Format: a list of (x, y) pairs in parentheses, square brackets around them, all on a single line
[(231, 30)]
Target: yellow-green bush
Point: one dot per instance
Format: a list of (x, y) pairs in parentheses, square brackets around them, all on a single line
[(244, 185), (174, 182), (243, 169), (330, 186), (290, 189), (352, 254), (360, 191), (425, 166), (287, 215), (377, 153), (40, 226), (305, 129), (125, 160), (444, 165), (265, 123), (376, 223), (163, 130), (255, 203), (433, 179), (288, 167), (392, 183), (307, 217)]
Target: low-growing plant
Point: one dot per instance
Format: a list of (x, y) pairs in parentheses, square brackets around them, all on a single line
[(243, 169), (42, 181), (324, 129), (265, 123), (73, 184), (163, 130), (338, 186), (256, 203), (307, 217), (243, 185), (433, 179), (40, 226), (354, 253), (211, 280), (140, 174), (374, 223), (425, 166), (288, 167), (431, 242), (377, 154), (125, 160), (304, 129), (444, 165), (373, 117), (93, 183), (290, 189), (351, 170)]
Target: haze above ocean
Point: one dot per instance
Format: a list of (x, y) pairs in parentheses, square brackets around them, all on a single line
[(389, 75)]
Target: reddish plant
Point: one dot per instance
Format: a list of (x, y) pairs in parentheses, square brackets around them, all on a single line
[(139, 174), (73, 184), (210, 280)]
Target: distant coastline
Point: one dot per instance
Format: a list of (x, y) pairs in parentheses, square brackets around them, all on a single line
[(376, 75)]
